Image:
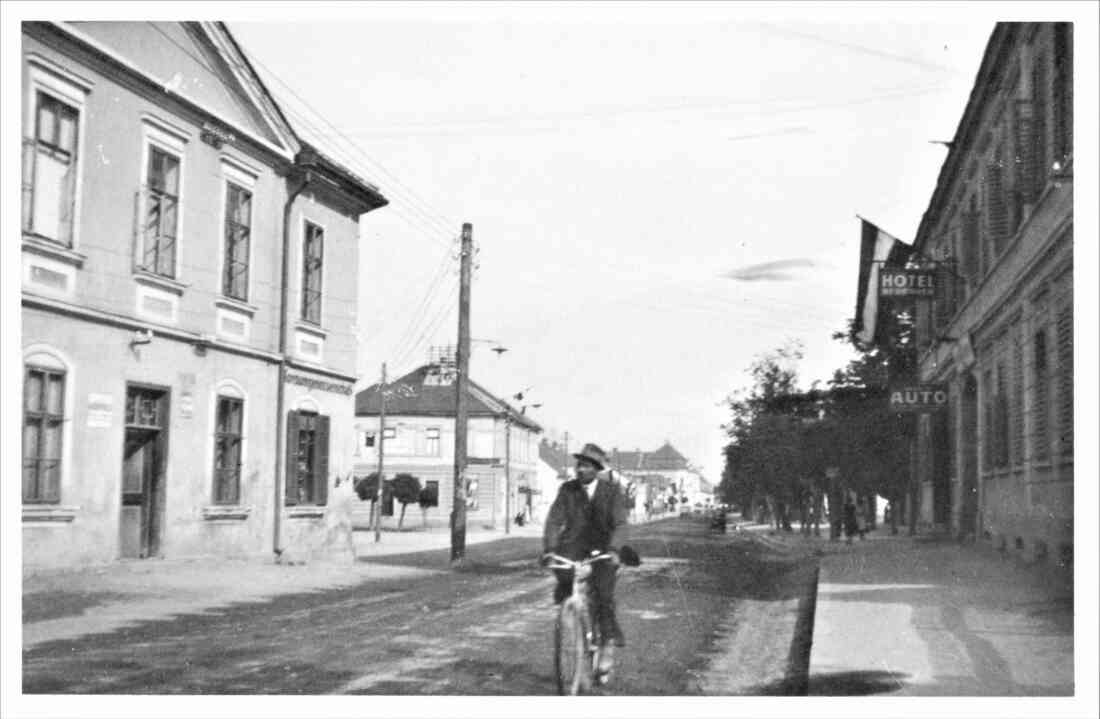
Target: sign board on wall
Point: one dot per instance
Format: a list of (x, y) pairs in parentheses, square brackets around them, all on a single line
[(100, 410), (919, 398), (907, 283)]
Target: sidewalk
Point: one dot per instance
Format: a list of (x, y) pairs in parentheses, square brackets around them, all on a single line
[(906, 616), (69, 603)]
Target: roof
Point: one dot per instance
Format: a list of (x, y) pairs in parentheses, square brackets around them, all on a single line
[(554, 455), (1000, 41), (666, 458), (420, 394)]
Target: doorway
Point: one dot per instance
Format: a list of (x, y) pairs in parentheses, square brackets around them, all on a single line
[(144, 458)]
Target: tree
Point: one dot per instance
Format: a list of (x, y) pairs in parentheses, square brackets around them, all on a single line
[(367, 490), (428, 498), (406, 490)]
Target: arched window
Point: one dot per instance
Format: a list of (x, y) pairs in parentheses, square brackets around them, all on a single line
[(229, 436)]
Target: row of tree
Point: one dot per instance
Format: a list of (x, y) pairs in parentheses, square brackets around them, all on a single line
[(785, 438), (404, 488)]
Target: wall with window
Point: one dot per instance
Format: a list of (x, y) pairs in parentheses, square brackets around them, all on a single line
[(1006, 223), (218, 465), (324, 285), (127, 210)]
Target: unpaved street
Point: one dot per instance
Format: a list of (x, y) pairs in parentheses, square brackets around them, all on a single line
[(704, 614)]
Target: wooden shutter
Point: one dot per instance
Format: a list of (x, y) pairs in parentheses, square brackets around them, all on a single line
[(1041, 412), (970, 246), (320, 458), (1064, 331), (1025, 183), (1063, 91), (996, 214), (291, 487), (1017, 408), (987, 429)]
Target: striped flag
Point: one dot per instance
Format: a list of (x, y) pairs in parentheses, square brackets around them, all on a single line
[(876, 249)]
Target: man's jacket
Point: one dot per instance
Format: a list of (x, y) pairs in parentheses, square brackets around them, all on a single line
[(576, 525)]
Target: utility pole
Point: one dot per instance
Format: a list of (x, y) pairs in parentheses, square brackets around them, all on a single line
[(458, 511), (381, 456), (507, 471)]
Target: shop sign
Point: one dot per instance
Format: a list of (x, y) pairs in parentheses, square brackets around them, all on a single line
[(100, 410), (322, 385), (907, 283), (919, 398)]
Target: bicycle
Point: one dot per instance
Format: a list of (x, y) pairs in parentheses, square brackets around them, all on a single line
[(577, 640)]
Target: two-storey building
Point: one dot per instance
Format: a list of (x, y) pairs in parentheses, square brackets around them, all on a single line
[(502, 443), (998, 464), (187, 312)]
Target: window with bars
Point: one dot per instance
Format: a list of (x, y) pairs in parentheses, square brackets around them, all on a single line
[(238, 237), (313, 253), (160, 216), (228, 446), (307, 459), (49, 171), (43, 424), (1041, 410)]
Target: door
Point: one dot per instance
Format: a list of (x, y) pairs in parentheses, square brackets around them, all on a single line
[(941, 469), (143, 461)]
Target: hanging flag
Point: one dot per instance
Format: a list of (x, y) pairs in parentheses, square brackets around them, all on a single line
[(876, 250)]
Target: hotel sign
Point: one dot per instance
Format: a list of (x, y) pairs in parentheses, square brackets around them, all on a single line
[(919, 398), (907, 283)]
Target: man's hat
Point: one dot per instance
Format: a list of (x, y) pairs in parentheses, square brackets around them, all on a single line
[(593, 454)]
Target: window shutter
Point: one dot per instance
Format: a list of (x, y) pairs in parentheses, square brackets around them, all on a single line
[(1039, 124), (987, 429), (996, 215), (1026, 187), (1064, 331), (1063, 91), (320, 455), (970, 246), (291, 488), (1041, 412), (1018, 402)]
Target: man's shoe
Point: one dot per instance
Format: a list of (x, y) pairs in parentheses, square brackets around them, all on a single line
[(607, 661)]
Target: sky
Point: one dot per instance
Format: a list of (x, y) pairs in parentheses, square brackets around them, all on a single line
[(657, 197)]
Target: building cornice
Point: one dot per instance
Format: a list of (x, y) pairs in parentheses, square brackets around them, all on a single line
[(131, 70)]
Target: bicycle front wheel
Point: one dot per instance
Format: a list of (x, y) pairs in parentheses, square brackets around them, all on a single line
[(569, 649)]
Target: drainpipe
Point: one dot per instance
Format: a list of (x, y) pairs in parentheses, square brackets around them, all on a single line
[(280, 396)]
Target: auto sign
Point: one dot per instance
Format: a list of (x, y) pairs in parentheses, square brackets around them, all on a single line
[(919, 398)]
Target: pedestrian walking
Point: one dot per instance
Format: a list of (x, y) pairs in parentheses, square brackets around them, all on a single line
[(851, 524)]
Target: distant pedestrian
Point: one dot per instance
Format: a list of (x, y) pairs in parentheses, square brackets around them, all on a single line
[(851, 524)]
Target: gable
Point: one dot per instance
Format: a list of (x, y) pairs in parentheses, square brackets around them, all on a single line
[(195, 60)]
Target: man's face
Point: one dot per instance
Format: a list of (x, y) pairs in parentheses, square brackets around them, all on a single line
[(586, 471)]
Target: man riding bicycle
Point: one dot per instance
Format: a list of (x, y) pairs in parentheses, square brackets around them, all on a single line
[(582, 521)]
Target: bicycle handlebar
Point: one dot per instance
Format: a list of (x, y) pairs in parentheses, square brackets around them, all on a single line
[(559, 562)]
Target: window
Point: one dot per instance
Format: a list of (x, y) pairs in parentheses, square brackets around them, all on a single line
[(431, 446), (1064, 338), (307, 458), (238, 237), (370, 439), (1017, 423), (1041, 411), (1000, 419), (389, 433), (227, 450), (313, 249), (996, 215), (160, 219), (971, 246), (49, 170), (43, 423)]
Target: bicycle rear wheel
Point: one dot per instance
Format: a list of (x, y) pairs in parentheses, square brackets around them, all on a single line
[(569, 649)]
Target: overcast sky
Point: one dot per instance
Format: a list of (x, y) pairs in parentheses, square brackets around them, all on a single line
[(658, 196)]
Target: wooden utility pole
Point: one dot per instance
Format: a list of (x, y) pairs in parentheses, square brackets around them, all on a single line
[(458, 511), (381, 456)]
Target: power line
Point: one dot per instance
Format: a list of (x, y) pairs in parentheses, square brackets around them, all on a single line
[(442, 218)]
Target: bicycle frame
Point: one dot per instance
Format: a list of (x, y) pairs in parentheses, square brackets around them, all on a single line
[(588, 653)]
